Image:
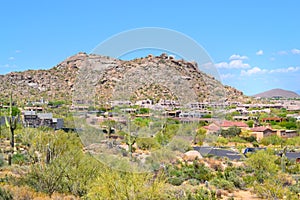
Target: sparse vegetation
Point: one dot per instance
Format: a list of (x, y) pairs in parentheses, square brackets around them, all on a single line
[(49, 163)]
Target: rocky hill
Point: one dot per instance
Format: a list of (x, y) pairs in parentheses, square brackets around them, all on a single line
[(101, 78), (278, 93)]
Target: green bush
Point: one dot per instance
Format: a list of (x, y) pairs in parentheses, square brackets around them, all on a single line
[(250, 138), (143, 110), (295, 188), (194, 182), (180, 145), (147, 143), (1, 160), (222, 184), (293, 141), (237, 139), (56, 103), (234, 176), (19, 159), (250, 123), (222, 140), (176, 181), (181, 172), (273, 139), (5, 195), (231, 132), (203, 194)]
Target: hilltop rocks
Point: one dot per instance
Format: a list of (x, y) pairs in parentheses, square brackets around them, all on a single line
[(150, 77)]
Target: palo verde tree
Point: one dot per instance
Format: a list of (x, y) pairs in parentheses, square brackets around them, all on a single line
[(11, 122), (199, 136)]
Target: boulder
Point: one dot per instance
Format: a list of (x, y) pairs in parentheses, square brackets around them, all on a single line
[(192, 155)]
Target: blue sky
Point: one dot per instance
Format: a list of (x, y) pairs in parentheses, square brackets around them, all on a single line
[(254, 44)]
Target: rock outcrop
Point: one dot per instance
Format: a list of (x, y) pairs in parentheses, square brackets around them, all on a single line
[(153, 77)]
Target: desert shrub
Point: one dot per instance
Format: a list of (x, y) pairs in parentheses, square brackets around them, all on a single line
[(293, 141), (143, 110), (234, 176), (181, 172), (273, 188), (112, 184), (222, 140), (1, 160), (215, 164), (250, 123), (263, 165), (273, 140), (295, 188), (292, 167), (19, 159), (176, 181), (69, 169), (21, 192), (223, 184), (231, 132), (193, 182), (255, 144), (5, 195), (204, 194), (250, 138), (162, 155), (211, 138), (63, 174), (237, 139), (147, 143), (180, 145), (165, 135)]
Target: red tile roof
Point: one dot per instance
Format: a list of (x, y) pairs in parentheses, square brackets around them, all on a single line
[(260, 129), (230, 124), (272, 119), (212, 127)]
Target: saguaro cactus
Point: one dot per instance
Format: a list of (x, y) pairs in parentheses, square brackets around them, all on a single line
[(11, 123), (130, 141), (283, 157)]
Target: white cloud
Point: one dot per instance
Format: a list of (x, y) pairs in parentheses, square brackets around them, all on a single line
[(295, 51), (254, 70), (238, 64), (285, 70), (222, 65), (11, 58), (233, 64), (257, 70), (237, 57), (236, 61), (18, 51), (7, 66), (227, 76), (260, 53), (282, 53), (207, 65)]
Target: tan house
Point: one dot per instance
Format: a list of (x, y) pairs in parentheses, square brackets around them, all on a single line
[(261, 131), (287, 133), (216, 127), (212, 128)]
